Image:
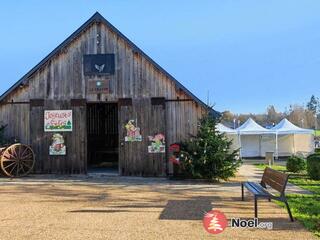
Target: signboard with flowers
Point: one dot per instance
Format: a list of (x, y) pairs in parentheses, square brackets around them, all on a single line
[(58, 121)]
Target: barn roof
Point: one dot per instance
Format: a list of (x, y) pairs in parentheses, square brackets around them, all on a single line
[(97, 17)]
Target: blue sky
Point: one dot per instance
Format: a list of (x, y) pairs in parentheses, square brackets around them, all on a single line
[(246, 54)]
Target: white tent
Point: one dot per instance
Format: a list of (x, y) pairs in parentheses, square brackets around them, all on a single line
[(284, 139), (250, 134), (222, 128), (230, 133), (291, 139)]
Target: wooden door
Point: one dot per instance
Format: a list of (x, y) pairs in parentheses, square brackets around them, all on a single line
[(147, 117), (75, 160)]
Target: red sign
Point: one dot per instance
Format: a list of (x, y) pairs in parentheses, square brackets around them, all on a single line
[(214, 222)]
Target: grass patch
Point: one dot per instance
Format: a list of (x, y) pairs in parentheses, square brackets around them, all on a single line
[(305, 208), (275, 167), (306, 183), (317, 133)]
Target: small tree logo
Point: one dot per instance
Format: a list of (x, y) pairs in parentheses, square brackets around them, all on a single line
[(215, 222)]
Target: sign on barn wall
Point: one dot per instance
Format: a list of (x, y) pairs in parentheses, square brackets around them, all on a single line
[(58, 120), (133, 132), (57, 146), (157, 144), (98, 64), (98, 86)]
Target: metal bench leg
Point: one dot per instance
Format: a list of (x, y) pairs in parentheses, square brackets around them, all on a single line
[(289, 211), (255, 207), (242, 192)]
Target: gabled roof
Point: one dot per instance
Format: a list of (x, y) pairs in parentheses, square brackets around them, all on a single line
[(97, 17), (250, 127), (286, 127)]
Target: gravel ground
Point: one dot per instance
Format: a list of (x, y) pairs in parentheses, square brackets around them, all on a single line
[(79, 207)]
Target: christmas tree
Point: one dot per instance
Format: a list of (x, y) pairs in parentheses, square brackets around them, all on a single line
[(209, 155), (214, 224)]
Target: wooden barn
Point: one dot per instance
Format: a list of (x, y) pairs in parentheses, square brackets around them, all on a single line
[(97, 100)]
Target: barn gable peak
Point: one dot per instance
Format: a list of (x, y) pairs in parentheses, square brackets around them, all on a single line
[(97, 17)]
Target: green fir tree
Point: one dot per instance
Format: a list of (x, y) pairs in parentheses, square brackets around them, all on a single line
[(209, 155)]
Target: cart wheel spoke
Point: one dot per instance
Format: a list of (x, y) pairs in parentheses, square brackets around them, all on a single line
[(26, 156), (17, 170), (26, 165), (27, 160), (13, 169), (9, 160), (17, 160), (9, 165), (24, 151), (7, 155), (13, 152)]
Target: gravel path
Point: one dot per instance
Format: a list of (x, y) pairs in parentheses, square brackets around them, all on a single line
[(81, 207)]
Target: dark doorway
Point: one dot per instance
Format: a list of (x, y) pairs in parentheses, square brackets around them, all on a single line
[(103, 137)]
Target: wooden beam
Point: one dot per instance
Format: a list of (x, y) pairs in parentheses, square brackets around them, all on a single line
[(12, 103)]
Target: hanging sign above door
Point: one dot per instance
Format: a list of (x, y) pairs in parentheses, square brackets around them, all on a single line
[(98, 86), (58, 120)]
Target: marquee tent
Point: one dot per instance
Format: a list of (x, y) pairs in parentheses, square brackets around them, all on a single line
[(222, 128), (284, 139), (230, 133), (249, 135), (291, 139)]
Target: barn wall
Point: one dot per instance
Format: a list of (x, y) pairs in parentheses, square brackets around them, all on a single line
[(62, 78)]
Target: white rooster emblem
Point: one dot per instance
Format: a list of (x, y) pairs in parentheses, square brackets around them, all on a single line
[(99, 68)]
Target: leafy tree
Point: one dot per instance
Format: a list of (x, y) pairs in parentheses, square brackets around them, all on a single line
[(208, 155), (313, 104), (272, 115)]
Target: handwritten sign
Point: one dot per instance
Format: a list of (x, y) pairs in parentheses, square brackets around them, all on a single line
[(58, 121)]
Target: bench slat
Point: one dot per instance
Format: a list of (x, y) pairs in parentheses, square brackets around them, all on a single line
[(275, 179), (256, 189)]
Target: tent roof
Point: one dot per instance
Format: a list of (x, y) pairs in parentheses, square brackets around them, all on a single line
[(222, 128), (286, 127), (250, 127)]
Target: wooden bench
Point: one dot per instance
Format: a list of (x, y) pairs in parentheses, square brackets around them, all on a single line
[(272, 178)]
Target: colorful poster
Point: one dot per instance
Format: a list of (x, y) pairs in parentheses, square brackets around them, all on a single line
[(157, 144), (57, 146), (133, 132), (58, 121)]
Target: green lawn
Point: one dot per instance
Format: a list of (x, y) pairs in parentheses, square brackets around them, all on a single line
[(317, 132), (305, 208), (275, 167)]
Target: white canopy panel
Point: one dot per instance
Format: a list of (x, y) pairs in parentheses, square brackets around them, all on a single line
[(250, 127), (224, 129), (286, 127)]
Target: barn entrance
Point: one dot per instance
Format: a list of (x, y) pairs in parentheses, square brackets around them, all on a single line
[(103, 137)]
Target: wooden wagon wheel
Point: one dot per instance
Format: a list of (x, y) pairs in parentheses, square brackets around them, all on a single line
[(17, 160)]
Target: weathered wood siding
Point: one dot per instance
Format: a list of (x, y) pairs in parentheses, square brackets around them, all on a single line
[(62, 78), (134, 157)]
